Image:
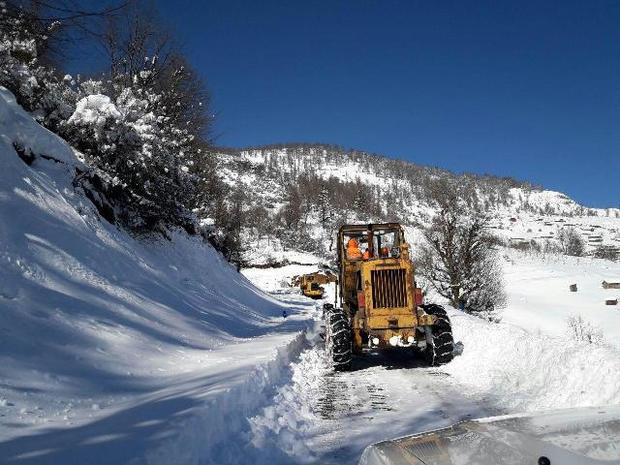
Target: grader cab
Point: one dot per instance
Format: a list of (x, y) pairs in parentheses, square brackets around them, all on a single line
[(379, 305)]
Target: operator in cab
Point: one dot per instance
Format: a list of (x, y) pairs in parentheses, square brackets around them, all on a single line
[(353, 249)]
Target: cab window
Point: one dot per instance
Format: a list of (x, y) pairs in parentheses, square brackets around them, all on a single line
[(355, 245), (384, 241)]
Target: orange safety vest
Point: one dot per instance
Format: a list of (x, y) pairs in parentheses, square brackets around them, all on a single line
[(354, 253), (353, 250)]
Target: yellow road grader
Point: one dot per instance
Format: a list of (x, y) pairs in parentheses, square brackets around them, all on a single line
[(311, 284), (378, 304)]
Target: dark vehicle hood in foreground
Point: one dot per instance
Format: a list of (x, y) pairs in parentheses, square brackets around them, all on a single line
[(565, 437)]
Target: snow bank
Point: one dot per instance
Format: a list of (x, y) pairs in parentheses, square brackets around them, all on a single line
[(216, 432), (528, 371), (283, 426), (96, 324)]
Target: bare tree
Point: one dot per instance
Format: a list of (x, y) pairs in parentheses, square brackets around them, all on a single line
[(459, 259), (571, 242)]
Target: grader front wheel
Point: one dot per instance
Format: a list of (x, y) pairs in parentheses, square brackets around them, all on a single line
[(338, 338)]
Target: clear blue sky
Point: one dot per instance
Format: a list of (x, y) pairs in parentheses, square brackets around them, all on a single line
[(524, 89)]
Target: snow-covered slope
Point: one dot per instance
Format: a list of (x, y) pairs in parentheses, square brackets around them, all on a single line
[(94, 323), (540, 299), (405, 179), (319, 187)]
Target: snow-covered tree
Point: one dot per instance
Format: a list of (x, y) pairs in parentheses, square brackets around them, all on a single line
[(142, 125), (127, 138), (24, 64), (571, 242), (459, 259)]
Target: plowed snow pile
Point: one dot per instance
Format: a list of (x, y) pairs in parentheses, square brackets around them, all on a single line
[(533, 360), (106, 338), (519, 370)]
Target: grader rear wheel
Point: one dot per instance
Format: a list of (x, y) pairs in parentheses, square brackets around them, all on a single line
[(440, 346), (338, 340)]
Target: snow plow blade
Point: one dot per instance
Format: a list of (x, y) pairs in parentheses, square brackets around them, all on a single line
[(563, 437)]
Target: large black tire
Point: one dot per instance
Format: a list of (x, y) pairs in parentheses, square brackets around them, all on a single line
[(338, 339), (440, 346)]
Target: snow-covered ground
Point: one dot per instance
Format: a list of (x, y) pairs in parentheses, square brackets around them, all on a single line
[(322, 417), (540, 299), (113, 349)]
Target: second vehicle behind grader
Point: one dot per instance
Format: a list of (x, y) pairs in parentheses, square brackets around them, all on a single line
[(311, 284)]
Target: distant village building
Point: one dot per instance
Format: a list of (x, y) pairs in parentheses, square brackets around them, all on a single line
[(607, 285)]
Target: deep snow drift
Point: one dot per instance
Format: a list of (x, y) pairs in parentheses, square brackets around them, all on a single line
[(95, 324)]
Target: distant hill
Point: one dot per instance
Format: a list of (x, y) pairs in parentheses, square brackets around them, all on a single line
[(298, 194)]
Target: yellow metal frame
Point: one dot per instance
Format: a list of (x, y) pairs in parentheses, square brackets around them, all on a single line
[(356, 291), (314, 293)]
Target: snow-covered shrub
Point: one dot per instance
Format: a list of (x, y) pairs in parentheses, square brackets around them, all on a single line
[(583, 330), (129, 138), (531, 246), (606, 252), (24, 46), (551, 248), (571, 242), (140, 127)]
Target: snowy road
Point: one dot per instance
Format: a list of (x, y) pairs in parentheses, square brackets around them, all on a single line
[(321, 417), (324, 417), (317, 416)]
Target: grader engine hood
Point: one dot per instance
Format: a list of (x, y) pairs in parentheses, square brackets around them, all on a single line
[(564, 437), (389, 296), (387, 286)]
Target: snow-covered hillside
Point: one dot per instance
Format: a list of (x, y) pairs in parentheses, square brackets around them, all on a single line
[(403, 178), (105, 338), (315, 188)]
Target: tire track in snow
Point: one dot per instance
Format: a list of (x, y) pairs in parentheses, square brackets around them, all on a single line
[(326, 417)]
